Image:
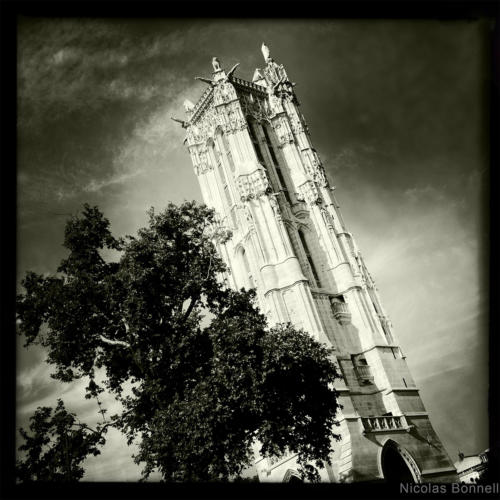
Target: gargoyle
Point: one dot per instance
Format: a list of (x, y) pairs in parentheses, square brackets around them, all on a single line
[(182, 122)]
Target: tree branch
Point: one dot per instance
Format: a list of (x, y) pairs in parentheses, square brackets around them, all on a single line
[(114, 342), (209, 268), (85, 426), (189, 309), (127, 328)]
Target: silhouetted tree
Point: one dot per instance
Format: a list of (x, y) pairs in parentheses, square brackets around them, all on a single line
[(207, 378)]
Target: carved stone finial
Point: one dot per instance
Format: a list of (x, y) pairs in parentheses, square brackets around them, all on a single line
[(265, 52), (257, 76), (216, 64), (188, 106)]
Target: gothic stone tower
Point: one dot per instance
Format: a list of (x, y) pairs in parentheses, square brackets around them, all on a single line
[(258, 169)]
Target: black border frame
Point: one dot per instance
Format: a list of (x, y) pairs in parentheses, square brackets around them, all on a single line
[(10, 10)]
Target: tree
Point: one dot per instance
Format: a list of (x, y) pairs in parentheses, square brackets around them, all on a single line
[(56, 446), (208, 377)]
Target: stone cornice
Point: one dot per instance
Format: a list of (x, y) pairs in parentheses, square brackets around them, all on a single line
[(375, 346), (402, 389), (202, 103), (286, 287)]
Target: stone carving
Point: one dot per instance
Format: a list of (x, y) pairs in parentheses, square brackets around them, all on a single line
[(234, 119), (188, 106), (327, 218), (204, 128), (216, 64), (223, 93), (265, 52), (257, 76), (194, 135), (276, 104), (314, 167), (279, 84), (255, 107), (283, 131), (200, 158), (320, 176), (202, 168), (253, 185), (310, 193), (297, 126), (248, 213), (183, 123), (275, 206), (298, 123)]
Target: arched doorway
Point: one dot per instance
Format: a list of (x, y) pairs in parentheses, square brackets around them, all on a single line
[(292, 476), (398, 466)]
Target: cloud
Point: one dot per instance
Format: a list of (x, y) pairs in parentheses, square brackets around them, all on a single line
[(95, 185)]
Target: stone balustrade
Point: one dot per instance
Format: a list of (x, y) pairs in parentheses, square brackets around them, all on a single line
[(364, 372), (385, 423), (249, 85), (339, 307)]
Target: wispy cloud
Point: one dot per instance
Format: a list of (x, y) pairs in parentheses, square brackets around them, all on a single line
[(95, 185)]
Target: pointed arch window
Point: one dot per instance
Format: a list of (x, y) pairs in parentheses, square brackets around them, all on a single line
[(225, 149), (218, 152), (248, 272), (284, 188), (225, 184), (274, 159), (309, 259), (252, 129), (270, 146)]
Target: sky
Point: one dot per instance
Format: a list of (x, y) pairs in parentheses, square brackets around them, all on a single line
[(398, 113)]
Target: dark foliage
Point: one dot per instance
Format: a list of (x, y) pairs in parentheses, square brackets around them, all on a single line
[(56, 446)]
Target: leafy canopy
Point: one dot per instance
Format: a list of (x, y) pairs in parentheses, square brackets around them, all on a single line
[(209, 378)]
